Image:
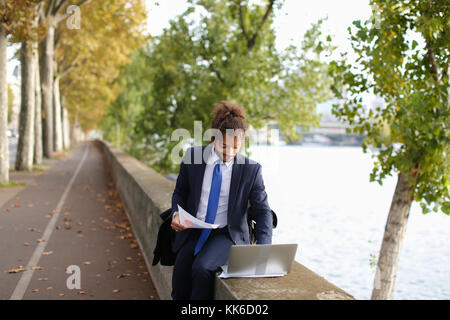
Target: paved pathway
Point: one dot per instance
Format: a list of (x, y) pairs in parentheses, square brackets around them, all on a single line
[(69, 215)]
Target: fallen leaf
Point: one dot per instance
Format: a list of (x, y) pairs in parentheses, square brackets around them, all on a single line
[(42, 279), (19, 269), (49, 288), (36, 268), (35, 290), (87, 262), (26, 244), (40, 240), (47, 253), (116, 290), (133, 246), (128, 258), (61, 294), (81, 292), (122, 275)]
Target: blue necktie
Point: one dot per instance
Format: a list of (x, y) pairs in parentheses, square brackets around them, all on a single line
[(213, 202)]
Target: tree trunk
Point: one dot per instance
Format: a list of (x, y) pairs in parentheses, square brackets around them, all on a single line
[(58, 142), (38, 114), (66, 128), (392, 240), (25, 146), (4, 143), (47, 73)]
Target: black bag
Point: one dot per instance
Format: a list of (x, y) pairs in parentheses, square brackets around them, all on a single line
[(252, 224), (166, 237)]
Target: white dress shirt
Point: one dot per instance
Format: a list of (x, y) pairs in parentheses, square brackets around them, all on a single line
[(222, 209)]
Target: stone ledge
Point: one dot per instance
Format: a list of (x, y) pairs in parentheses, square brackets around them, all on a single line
[(300, 284), (145, 194)]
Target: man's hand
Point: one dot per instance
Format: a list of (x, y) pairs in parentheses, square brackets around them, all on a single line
[(176, 225)]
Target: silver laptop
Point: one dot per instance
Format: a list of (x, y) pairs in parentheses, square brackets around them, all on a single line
[(261, 260)]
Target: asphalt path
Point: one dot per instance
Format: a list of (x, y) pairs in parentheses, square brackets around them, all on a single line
[(65, 234)]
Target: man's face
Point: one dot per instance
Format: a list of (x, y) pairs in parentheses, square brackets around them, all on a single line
[(227, 146)]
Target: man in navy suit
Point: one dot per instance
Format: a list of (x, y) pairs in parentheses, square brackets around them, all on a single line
[(215, 184)]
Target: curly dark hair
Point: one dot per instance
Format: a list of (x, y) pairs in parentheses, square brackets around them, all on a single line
[(227, 115)]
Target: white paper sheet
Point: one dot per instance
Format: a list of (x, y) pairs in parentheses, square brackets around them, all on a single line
[(190, 221)]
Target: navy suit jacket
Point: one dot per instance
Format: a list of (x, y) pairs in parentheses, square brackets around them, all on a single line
[(246, 186)]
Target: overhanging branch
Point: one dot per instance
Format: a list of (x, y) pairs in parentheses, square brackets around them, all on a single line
[(251, 41)]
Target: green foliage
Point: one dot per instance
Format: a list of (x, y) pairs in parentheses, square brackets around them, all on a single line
[(403, 58), (193, 65)]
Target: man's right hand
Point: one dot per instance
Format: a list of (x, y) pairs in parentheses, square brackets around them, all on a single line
[(176, 225)]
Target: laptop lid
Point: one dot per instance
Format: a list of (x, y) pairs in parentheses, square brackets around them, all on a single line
[(263, 259)]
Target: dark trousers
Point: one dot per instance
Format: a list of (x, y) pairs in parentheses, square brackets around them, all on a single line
[(193, 277)]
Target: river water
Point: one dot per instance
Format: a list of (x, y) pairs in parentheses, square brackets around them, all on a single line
[(326, 203)]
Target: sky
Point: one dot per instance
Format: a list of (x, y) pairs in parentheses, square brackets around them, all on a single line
[(291, 22)]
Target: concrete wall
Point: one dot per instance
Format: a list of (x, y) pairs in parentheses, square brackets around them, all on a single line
[(145, 194)]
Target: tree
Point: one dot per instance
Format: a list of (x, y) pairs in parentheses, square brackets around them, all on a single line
[(403, 57), (28, 59), (90, 58), (38, 143), (229, 54), (52, 13), (17, 18), (4, 147), (25, 145)]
